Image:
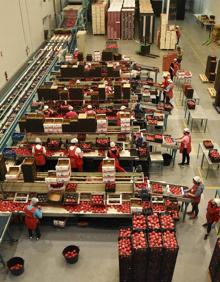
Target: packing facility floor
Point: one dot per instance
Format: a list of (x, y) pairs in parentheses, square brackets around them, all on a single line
[(98, 256)]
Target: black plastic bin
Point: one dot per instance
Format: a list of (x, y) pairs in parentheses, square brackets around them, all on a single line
[(167, 158), (70, 249), (13, 262)]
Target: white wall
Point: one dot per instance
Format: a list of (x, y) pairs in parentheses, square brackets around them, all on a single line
[(21, 26), (212, 7)]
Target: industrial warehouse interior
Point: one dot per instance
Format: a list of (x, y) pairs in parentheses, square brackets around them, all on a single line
[(110, 140)]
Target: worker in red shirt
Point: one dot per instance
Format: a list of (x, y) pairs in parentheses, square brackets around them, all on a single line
[(39, 152), (32, 215), (47, 112), (195, 194), (76, 53), (212, 215), (178, 35), (64, 107), (90, 111), (185, 146), (164, 85), (76, 156), (71, 114), (169, 91), (113, 153), (118, 115)]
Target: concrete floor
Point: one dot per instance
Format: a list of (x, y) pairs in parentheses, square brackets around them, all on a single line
[(98, 256)]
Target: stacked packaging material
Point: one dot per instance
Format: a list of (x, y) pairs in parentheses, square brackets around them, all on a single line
[(146, 22), (53, 125), (114, 20), (97, 56), (63, 170), (98, 16), (168, 59), (216, 34), (102, 123), (127, 19), (167, 34), (125, 122), (108, 170), (210, 68)]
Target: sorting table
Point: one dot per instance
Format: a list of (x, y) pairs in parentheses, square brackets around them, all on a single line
[(197, 114), (205, 154)]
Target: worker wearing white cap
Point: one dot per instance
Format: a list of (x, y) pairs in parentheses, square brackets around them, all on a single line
[(71, 114), (169, 91), (76, 53), (76, 156), (90, 111), (118, 115), (47, 112), (212, 215), (39, 152), (113, 153), (195, 194), (185, 146), (32, 215)]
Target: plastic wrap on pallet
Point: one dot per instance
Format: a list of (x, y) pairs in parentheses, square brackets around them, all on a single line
[(98, 16), (114, 20)]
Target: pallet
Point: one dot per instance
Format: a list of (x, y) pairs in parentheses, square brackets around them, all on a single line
[(203, 78), (212, 92)]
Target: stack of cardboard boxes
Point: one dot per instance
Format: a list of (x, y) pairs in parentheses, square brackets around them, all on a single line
[(167, 34), (114, 20), (98, 16), (108, 170), (127, 19)]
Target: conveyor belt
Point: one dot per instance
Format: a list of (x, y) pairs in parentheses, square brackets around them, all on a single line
[(15, 102)]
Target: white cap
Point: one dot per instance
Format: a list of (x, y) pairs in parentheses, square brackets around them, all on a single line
[(170, 80), (76, 49), (112, 144), (165, 74), (37, 140), (34, 201), (78, 81), (78, 151), (197, 179), (175, 60), (70, 108), (65, 88), (186, 130), (89, 107), (74, 141), (122, 108), (46, 107), (217, 201), (177, 26)]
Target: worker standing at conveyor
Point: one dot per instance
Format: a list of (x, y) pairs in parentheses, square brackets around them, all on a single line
[(169, 92), (195, 194), (76, 156), (39, 152), (32, 215), (90, 111), (118, 115), (113, 153), (71, 114)]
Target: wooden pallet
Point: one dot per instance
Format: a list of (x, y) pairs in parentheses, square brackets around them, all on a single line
[(203, 78), (212, 92)]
